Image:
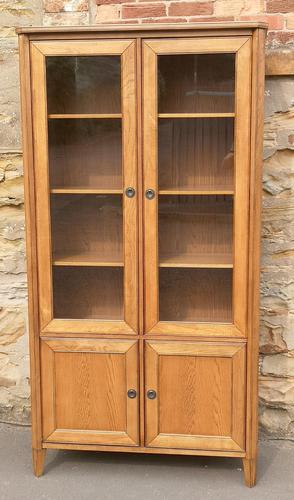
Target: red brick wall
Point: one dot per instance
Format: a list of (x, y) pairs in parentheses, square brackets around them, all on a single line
[(279, 14)]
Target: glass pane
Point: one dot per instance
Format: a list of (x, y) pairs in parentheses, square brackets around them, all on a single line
[(88, 293), (201, 295), (196, 153), (87, 256), (195, 230), (85, 153), (196, 187), (89, 84), (87, 229), (196, 83), (85, 175)]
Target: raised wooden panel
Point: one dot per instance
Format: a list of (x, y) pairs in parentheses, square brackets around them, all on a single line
[(200, 401), (209, 380), (81, 392), (84, 387)]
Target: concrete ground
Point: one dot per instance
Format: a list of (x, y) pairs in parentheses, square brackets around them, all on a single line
[(114, 476)]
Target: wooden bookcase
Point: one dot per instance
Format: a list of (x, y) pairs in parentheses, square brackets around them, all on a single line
[(142, 151)]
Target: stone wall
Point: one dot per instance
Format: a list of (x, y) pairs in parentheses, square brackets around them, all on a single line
[(277, 280), (14, 362)]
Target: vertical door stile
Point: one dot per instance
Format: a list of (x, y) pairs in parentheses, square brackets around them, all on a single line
[(151, 382), (242, 176), (40, 134), (150, 182), (130, 205)]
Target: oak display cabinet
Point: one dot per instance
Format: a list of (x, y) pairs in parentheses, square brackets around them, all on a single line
[(142, 149)]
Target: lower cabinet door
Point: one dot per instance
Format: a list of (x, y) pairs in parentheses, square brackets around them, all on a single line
[(195, 395), (90, 391)]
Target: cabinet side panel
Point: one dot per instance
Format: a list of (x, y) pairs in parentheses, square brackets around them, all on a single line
[(31, 249), (254, 239)]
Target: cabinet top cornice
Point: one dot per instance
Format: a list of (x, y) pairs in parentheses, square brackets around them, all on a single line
[(136, 28)]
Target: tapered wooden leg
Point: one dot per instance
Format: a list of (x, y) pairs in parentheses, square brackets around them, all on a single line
[(249, 467), (38, 461)]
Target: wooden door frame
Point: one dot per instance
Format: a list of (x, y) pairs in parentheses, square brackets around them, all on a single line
[(235, 352), (39, 51), (241, 46), (51, 434)]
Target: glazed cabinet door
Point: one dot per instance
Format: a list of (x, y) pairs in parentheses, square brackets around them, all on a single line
[(85, 168), (196, 180), (89, 391), (195, 397)]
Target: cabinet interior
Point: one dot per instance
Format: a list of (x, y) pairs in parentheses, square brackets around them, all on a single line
[(83, 292), (83, 84), (196, 230), (87, 229), (196, 154), (85, 154), (196, 83), (199, 295)]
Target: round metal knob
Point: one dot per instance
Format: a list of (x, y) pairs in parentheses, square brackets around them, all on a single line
[(132, 393), (151, 394), (149, 193), (130, 192)]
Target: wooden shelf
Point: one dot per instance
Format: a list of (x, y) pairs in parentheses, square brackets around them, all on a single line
[(205, 261), (76, 116), (197, 190), (196, 115), (87, 259), (80, 190)]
